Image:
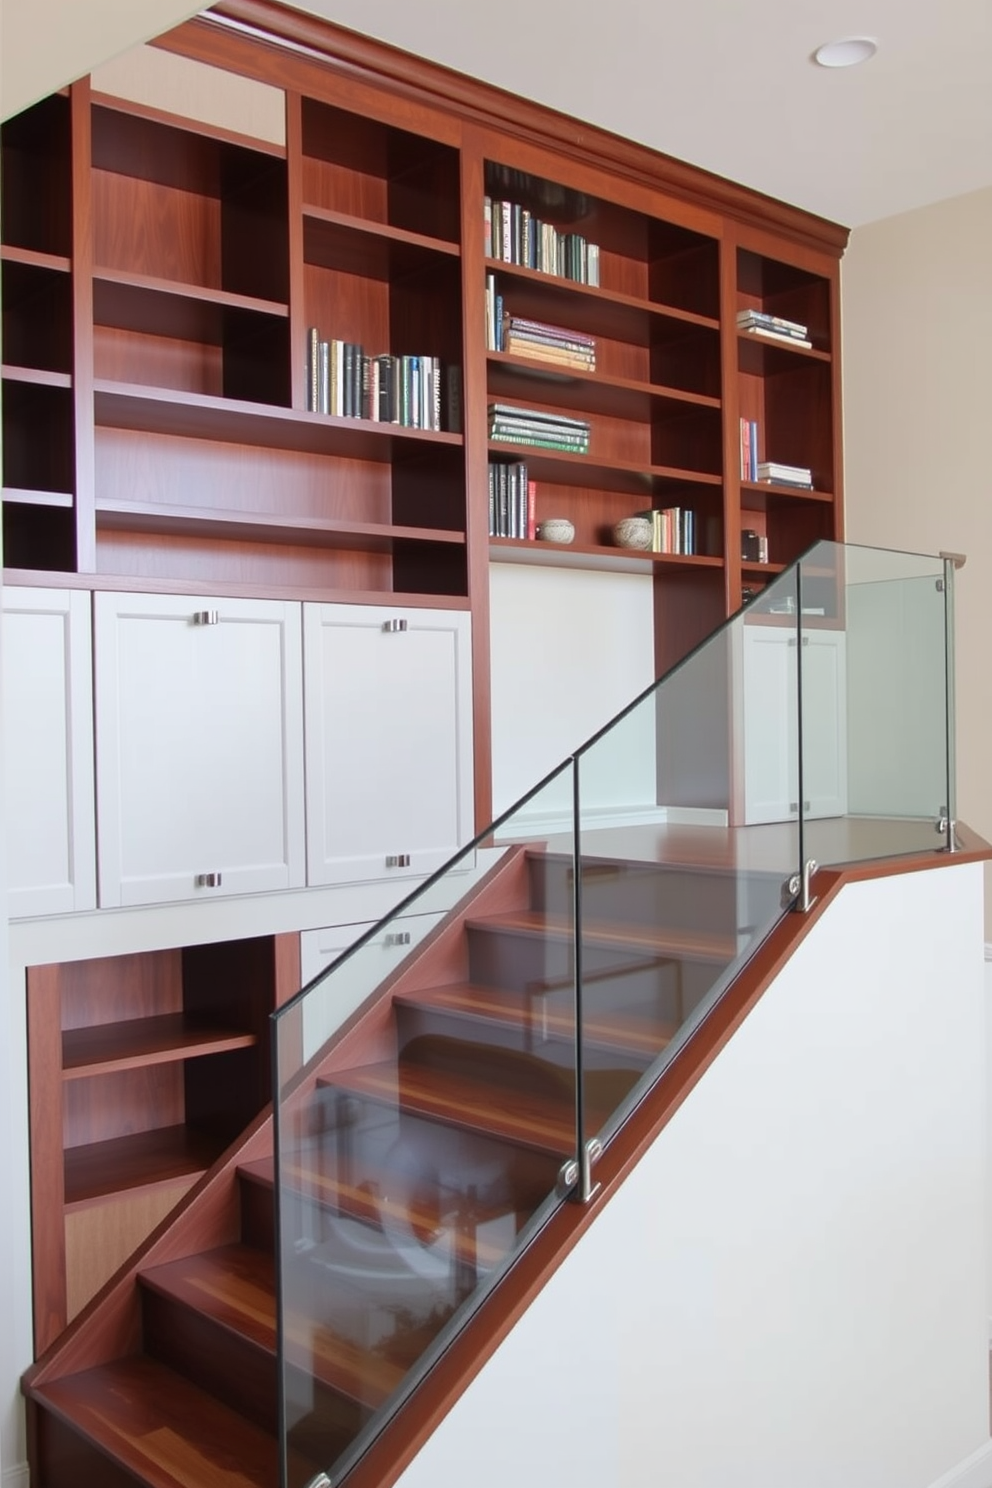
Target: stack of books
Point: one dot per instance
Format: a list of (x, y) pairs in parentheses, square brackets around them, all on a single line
[(512, 500), (543, 430), (785, 475), (673, 530), (773, 327), (342, 380), (514, 235)]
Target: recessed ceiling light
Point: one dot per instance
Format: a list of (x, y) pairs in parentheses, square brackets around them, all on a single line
[(847, 52)]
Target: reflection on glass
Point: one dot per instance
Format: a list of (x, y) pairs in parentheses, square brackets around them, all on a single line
[(420, 1149)]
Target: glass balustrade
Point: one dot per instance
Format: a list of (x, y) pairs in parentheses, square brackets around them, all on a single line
[(438, 1098)]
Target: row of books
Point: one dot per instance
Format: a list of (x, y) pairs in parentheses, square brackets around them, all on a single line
[(514, 235), (407, 390), (773, 327), (512, 500), (519, 336), (673, 529), (513, 425)]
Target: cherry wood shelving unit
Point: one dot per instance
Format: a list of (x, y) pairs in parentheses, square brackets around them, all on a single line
[(159, 276), (158, 291), (143, 1068)]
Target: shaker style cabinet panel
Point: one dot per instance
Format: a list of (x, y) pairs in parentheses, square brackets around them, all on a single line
[(48, 751), (336, 998), (199, 747), (388, 740), (767, 723)]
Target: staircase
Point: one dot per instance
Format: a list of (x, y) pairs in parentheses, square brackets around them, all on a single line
[(418, 1150)]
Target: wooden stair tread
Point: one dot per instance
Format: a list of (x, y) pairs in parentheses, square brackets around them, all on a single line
[(504, 1006), (527, 1118), (369, 1203), (162, 1428), (233, 1285), (681, 945)]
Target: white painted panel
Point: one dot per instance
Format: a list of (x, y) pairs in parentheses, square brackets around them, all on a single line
[(798, 1255), (199, 747), (337, 997), (388, 740), (569, 649), (825, 722), (48, 751), (768, 720)]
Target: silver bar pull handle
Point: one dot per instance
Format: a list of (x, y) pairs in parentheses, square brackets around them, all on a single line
[(206, 617), (209, 880), (393, 627), (396, 938), (398, 860)]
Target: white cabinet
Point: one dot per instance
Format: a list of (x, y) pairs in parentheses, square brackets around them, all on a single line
[(199, 724), (388, 740), (767, 726), (48, 751), (328, 1005)]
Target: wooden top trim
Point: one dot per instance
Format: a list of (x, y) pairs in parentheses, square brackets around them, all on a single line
[(480, 103), (391, 1453)]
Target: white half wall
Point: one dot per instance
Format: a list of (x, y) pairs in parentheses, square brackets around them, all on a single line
[(790, 1290)]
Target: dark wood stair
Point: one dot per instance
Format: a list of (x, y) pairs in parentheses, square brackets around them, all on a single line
[(415, 1150)]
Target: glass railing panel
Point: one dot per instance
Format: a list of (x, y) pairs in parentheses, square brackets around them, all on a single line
[(420, 1136), (874, 702), (679, 886)]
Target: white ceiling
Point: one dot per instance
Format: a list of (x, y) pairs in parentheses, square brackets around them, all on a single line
[(721, 83)]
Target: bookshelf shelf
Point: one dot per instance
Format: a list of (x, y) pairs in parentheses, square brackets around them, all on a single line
[(628, 477), (590, 392), (58, 500), (137, 1043), (597, 557), (37, 376), (53, 263), (265, 527), (96, 1171), (167, 411)]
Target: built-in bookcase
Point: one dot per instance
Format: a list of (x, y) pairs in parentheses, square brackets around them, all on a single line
[(160, 292)]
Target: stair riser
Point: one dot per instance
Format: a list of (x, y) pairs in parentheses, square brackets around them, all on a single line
[(716, 903), (244, 1376), (257, 1214), (218, 1360), (612, 977), (62, 1458)]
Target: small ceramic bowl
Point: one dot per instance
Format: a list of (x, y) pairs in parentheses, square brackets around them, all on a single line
[(633, 532), (556, 530)]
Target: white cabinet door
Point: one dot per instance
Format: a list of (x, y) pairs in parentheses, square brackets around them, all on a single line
[(199, 723), (333, 1000), (768, 727), (388, 740), (48, 751)]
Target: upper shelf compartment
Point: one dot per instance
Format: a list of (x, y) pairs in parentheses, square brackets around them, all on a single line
[(35, 179), (191, 276), (636, 255), (173, 203), (375, 172), (795, 295)]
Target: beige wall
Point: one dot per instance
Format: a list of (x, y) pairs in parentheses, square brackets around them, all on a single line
[(917, 303)]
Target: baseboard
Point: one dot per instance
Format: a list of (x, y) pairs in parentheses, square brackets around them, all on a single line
[(16, 1477), (974, 1472)]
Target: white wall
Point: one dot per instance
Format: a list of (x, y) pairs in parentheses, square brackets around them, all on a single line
[(789, 1291), (917, 308)]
